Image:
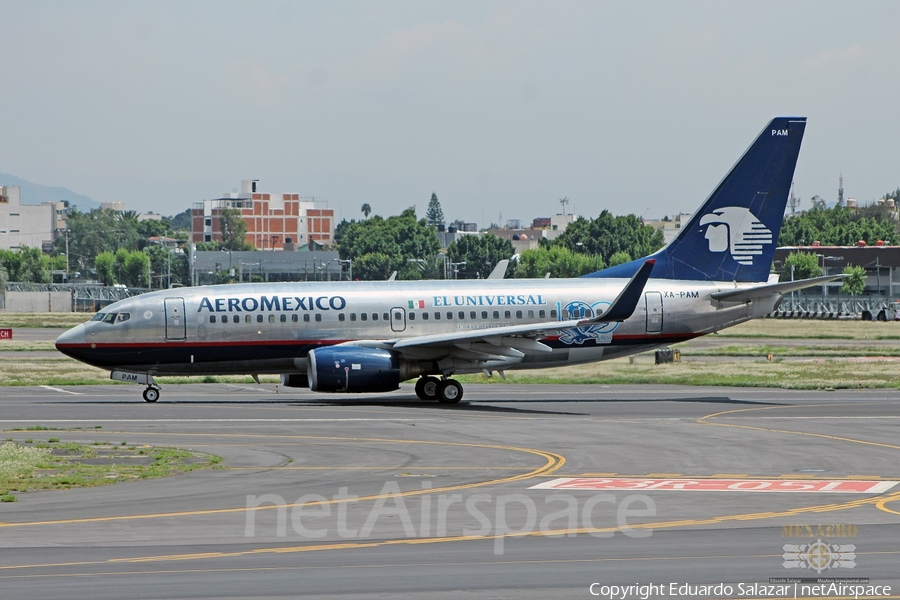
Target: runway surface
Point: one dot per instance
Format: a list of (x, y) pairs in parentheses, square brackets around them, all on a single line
[(388, 496)]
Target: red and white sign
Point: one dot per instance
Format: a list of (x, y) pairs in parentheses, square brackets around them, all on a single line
[(5, 334), (832, 486)]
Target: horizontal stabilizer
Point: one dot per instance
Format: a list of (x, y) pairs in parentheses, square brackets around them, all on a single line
[(762, 291)]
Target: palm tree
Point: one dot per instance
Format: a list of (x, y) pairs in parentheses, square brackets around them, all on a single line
[(366, 209)]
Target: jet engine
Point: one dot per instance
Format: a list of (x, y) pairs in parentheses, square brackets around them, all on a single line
[(356, 369)]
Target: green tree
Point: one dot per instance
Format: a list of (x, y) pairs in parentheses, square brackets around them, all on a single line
[(182, 221), (366, 209), (480, 253), (619, 258), (607, 234), (434, 216), (26, 264), (234, 230), (105, 265), (855, 280), (558, 261), (393, 241), (135, 269), (805, 266), (839, 226)]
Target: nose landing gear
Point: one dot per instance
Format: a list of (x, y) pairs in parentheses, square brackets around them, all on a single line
[(151, 394)]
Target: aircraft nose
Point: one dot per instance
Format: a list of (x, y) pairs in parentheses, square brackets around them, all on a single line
[(69, 340)]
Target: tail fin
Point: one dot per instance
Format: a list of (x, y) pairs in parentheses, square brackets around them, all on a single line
[(733, 236)]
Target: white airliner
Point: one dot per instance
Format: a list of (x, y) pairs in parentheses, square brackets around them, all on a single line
[(372, 336)]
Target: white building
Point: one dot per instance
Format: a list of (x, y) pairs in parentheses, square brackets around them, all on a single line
[(32, 225)]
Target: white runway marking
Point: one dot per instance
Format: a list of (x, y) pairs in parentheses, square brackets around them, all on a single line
[(47, 387)]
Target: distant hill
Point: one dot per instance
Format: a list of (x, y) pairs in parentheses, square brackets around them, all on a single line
[(34, 193)]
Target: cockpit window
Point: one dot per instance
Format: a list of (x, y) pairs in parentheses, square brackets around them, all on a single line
[(98, 317), (110, 318), (123, 317)]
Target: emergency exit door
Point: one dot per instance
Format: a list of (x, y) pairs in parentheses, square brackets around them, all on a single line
[(653, 301), (176, 328)]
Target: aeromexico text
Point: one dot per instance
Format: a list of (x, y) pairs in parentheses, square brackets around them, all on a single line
[(295, 303)]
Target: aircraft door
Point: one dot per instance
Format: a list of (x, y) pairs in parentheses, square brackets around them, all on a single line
[(176, 328), (653, 302), (398, 319)]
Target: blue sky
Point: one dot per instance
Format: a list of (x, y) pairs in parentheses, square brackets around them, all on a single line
[(501, 108)]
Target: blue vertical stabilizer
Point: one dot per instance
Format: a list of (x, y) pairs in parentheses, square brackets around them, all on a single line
[(733, 236)]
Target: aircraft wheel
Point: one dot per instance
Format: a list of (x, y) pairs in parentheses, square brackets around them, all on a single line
[(151, 394), (427, 388), (449, 391)]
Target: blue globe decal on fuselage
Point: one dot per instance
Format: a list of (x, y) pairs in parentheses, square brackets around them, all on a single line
[(578, 309)]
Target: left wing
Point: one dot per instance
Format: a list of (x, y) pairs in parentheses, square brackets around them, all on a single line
[(496, 347)]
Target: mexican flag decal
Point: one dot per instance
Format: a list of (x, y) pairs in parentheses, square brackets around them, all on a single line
[(416, 304)]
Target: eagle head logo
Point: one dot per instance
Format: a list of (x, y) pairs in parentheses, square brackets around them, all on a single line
[(737, 230)]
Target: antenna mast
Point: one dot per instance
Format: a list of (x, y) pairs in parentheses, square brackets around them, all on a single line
[(793, 201), (564, 201), (841, 190)]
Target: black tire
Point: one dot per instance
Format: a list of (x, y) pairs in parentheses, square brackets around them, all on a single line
[(427, 388), (151, 394), (449, 392)]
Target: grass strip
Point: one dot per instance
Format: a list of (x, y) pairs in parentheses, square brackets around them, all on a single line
[(32, 465)]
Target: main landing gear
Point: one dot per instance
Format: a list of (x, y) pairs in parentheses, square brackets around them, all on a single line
[(445, 391), (151, 394)]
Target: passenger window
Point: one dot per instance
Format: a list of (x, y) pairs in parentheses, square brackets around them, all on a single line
[(462, 315), (374, 316), (565, 313), (424, 316), (412, 316), (259, 319), (552, 313), (341, 316), (542, 313), (236, 318), (212, 318), (437, 316), (518, 314), (306, 318), (363, 316), (386, 317), (530, 314), (271, 318), (449, 315), (318, 317), (283, 318), (484, 314), (496, 314), (507, 314), (352, 316), (247, 319), (472, 314), (295, 318)]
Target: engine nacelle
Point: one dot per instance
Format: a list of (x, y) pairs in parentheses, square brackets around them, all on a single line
[(355, 369), (295, 380)]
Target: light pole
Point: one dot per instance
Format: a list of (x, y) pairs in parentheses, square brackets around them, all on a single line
[(454, 270), (349, 263)]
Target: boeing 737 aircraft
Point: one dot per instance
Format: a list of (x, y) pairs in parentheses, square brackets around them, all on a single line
[(372, 336)]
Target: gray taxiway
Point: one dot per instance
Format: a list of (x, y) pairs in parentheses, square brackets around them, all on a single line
[(402, 498)]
